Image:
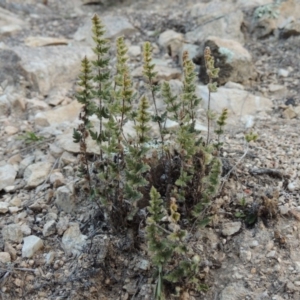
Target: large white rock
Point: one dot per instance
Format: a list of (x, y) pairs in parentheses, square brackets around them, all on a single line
[(115, 26), (50, 67), (231, 228), (37, 173), (69, 112), (31, 245), (7, 176), (241, 104), (73, 241)]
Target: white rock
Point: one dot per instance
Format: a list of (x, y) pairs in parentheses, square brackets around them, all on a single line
[(37, 173), (31, 245), (231, 228), (49, 67), (49, 228), (239, 103), (5, 257), (14, 209), (284, 209), (283, 73), (69, 112), (134, 51), (4, 207), (72, 240), (271, 253), (7, 176), (291, 186), (12, 233), (234, 85)]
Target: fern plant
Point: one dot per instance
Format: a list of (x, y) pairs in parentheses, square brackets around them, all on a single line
[(180, 180)]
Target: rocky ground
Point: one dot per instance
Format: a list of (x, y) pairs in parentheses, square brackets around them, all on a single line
[(54, 243)]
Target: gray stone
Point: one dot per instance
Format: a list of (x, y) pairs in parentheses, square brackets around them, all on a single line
[(7, 176), (216, 18), (37, 173), (10, 67), (73, 241), (115, 26), (31, 245), (12, 233), (231, 228), (65, 199), (49, 228)]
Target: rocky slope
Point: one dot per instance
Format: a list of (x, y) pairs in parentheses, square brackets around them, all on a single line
[(54, 242)]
